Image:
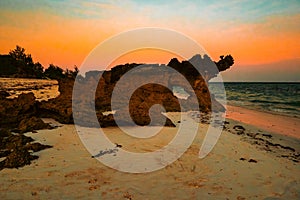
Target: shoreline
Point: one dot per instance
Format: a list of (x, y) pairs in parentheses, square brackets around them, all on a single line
[(263, 111), (279, 124)]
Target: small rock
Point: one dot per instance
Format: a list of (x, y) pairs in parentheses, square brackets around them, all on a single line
[(239, 127), (36, 147), (252, 160), (253, 135), (17, 158), (31, 124), (118, 145), (267, 135)]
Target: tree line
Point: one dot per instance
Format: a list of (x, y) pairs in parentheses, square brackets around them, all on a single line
[(18, 64)]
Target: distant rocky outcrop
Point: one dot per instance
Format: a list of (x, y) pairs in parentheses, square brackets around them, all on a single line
[(19, 113), (143, 98)]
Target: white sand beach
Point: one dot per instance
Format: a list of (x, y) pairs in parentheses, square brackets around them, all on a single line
[(235, 169)]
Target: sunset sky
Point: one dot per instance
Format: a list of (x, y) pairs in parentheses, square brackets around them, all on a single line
[(263, 36)]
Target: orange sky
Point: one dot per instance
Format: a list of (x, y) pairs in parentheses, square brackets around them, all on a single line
[(142, 56), (64, 33)]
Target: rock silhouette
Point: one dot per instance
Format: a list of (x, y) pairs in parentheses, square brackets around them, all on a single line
[(143, 97), (18, 113)]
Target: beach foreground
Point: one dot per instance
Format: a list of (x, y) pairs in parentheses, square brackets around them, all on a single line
[(235, 169)]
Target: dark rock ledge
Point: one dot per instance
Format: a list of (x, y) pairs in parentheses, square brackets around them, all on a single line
[(17, 117)]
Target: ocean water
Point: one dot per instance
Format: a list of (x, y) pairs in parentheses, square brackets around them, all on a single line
[(277, 98)]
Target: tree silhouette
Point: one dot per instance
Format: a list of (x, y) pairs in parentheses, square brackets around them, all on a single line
[(54, 72), (19, 55), (38, 70), (75, 72), (19, 64)]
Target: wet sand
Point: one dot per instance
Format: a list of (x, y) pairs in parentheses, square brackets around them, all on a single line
[(270, 122), (41, 88)]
